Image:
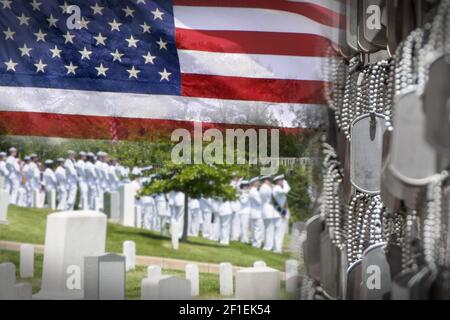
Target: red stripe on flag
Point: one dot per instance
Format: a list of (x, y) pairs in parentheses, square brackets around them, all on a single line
[(253, 89), (275, 43), (312, 11), (95, 127)]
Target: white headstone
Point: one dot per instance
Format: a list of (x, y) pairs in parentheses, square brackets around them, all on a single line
[(165, 288), (115, 206), (138, 216), (258, 284), (37, 203), (26, 261), (104, 277), (127, 199), (4, 204), (192, 274), (259, 264), (292, 285), (226, 279), (69, 237), (175, 235), (51, 199), (153, 271), (129, 251), (23, 291), (7, 281)]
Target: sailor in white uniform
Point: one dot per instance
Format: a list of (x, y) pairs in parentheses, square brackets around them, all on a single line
[(100, 178), (280, 191), (113, 178), (206, 211), (61, 186), (178, 212), (225, 214), (36, 183), (244, 210), (14, 177), (72, 179), (91, 180), (235, 222), (3, 169), (80, 167), (268, 212), (194, 217), (215, 221), (27, 173), (257, 223), (162, 210), (50, 182)]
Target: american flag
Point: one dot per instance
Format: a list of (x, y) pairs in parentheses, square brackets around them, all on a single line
[(130, 68)]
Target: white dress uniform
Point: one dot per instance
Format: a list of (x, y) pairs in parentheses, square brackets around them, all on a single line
[(194, 217), (244, 215), (225, 213), (162, 211), (280, 195), (268, 215), (14, 177), (178, 212), (91, 180), (235, 222), (28, 174), (36, 184), (215, 223), (50, 182), (100, 177), (4, 172), (257, 223), (61, 187), (80, 167), (113, 178), (72, 183), (206, 211)]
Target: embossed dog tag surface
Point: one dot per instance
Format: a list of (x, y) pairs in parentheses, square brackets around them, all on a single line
[(314, 228), (329, 267), (354, 281), (366, 152)]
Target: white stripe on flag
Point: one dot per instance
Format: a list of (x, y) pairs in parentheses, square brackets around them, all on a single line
[(251, 65), (88, 103)]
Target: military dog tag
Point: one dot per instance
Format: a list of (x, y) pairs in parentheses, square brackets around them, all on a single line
[(314, 228), (376, 283), (390, 201), (343, 274), (347, 189), (420, 284), (363, 45), (354, 281), (437, 104), (352, 24), (412, 159), (366, 152), (376, 21), (400, 287), (329, 267)]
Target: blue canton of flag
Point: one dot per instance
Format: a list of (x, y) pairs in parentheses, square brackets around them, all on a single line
[(115, 46)]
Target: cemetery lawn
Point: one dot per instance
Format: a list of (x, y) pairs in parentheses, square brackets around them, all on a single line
[(28, 226), (209, 282)]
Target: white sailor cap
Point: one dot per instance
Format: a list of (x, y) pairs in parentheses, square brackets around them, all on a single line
[(244, 183), (253, 180), (91, 154), (82, 153), (136, 171), (27, 158), (265, 178), (2, 154), (70, 152), (12, 149), (48, 162), (33, 155), (60, 160), (280, 177)]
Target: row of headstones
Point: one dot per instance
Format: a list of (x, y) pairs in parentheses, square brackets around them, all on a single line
[(104, 278)]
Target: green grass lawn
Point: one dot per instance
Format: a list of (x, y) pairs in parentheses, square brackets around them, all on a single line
[(209, 283), (28, 225)]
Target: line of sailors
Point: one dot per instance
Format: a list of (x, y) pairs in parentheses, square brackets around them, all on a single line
[(259, 217), (90, 175)]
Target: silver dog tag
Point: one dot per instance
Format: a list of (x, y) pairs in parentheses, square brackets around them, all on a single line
[(314, 228)]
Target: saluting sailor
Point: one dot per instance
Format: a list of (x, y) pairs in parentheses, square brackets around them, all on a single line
[(36, 183), (50, 182), (244, 210), (14, 177), (257, 223), (268, 212), (280, 192), (91, 180), (72, 179), (80, 167), (61, 184)]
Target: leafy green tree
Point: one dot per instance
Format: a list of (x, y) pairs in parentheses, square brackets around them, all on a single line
[(195, 181)]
